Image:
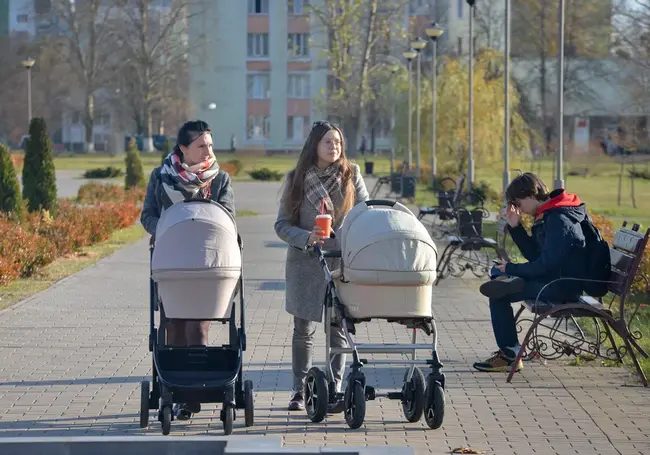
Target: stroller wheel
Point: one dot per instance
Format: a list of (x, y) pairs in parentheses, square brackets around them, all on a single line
[(166, 420), (355, 405), (144, 404), (413, 395), (227, 416), (434, 404), (249, 408), (316, 395)]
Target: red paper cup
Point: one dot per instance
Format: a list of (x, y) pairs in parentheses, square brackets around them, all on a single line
[(325, 223)]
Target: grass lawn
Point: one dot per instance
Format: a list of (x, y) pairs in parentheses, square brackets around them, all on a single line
[(62, 267), (599, 189)]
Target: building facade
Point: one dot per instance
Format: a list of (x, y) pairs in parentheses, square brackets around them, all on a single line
[(256, 72)]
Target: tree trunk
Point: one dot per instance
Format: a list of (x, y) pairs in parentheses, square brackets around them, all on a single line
[(147, 141), (363, 76), (89, 122)]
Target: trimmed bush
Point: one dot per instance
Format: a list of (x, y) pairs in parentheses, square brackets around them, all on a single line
[(167, 148), (17, 160), (93, 193), (134, 173), (43, 236), (109, 172), (39, 179), (11, 201), (236, 165), (266, 174)]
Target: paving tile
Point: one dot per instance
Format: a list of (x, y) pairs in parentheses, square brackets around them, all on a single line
[(72, 358)]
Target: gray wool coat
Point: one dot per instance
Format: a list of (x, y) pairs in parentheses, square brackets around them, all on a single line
[(305, 279)]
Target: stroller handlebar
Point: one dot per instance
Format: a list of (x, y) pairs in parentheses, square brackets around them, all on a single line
[(324, 253)]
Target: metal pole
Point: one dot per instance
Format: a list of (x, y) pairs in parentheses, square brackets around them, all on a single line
[(506, 84), (410, 118), (29, 97), (418, 118), (394, 141), (559, 178), (434, 82), (470, 128)]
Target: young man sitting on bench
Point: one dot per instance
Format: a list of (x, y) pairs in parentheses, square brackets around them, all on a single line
[(557, 248)]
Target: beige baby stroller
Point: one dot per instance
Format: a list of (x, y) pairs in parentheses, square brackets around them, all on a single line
[(388, 267), (196, 269)]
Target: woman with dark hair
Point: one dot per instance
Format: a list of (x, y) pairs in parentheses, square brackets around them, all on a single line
[(323, 173), (190, 171)]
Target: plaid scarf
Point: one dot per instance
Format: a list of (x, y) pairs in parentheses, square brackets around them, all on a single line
[(186, 182), (320, 183)]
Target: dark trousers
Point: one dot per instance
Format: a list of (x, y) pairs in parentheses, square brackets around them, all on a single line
[(502, 314)]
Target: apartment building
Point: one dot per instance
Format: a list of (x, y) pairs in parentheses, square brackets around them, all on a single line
[(257, 74)]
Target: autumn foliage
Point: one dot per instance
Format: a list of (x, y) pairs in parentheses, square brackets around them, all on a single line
[(43, 236)]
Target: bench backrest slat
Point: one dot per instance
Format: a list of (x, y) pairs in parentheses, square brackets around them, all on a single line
[(620, 260), (625, 254), (627, 240)]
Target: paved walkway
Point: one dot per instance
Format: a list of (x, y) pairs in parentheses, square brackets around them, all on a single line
[(71, 360)]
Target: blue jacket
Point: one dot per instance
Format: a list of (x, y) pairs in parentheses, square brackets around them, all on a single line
[(557, 247)]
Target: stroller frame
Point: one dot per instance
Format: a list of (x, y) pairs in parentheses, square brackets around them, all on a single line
[(172, 385), (418, 395)]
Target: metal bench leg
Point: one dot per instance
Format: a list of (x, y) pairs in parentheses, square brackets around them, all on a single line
[(636, 345), (444, 262), (610, 337), (628, 344), (521, 310), (524, 343)]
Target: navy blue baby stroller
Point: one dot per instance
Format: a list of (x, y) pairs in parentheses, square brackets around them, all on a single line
[(196, 274)]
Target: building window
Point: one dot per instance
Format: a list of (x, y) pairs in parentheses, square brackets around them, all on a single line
[(298, 44), (297, 7), (460, 45), (258, 45), (258, 6), (298, 86), (298, 128), (460, 8), (258, 127), (258, 86), (22, 18)]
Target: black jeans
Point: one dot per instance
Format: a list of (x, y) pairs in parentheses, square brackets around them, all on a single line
[(502, 314)]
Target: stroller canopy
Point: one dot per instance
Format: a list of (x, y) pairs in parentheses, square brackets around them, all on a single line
[(386, 244), (196, 236)]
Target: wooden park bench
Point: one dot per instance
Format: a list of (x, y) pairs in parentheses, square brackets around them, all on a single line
[(626, 252)]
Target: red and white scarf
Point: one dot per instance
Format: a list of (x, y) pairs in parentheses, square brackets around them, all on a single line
[(187, 182)]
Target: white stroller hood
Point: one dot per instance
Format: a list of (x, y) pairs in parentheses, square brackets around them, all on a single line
[(196, 260), (386, 244)]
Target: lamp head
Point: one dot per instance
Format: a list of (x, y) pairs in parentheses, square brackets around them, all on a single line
[(28, 62), (409, 54), (434, 31), (418, 44)]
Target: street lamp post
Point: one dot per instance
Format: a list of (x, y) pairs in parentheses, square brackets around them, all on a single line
[(418, 45), (409, 55), (28, 64), (559, 177), (470, 119), (506, 88), (434, 32)]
